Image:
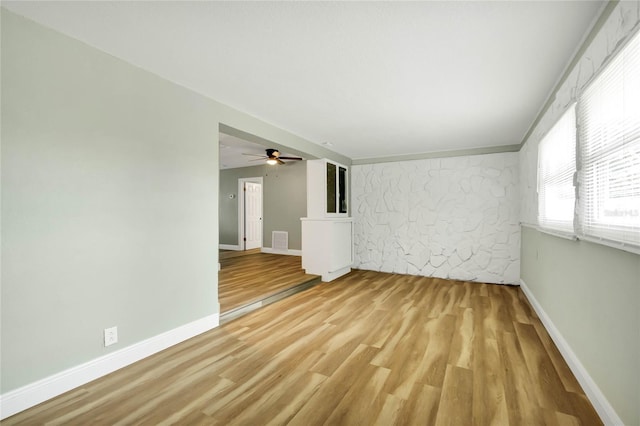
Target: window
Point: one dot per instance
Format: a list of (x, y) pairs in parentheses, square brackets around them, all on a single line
[(609, 151), (556, 167)]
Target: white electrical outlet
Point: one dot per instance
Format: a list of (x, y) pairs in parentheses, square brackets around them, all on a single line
[(110, 336)]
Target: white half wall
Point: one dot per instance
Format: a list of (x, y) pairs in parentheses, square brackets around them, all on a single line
[(448, 217)]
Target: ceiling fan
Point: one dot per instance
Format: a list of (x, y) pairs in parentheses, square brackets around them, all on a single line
[(273, 157)]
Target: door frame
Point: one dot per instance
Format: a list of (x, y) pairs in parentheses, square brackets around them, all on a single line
[(241, 209)]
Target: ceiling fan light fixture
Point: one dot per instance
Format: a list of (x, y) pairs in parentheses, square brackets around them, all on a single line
[(272, 158)]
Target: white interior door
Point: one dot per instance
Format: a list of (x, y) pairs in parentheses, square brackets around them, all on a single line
[(252, 215)]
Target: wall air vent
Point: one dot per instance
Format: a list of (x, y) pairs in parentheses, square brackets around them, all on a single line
[(280, 241)]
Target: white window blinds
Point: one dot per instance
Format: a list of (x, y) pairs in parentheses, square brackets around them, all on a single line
[(609, 152), (556, 167)]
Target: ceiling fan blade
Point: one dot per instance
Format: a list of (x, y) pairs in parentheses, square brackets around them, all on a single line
[(290, 158), (257, 159), (254, 155), (279, 161)]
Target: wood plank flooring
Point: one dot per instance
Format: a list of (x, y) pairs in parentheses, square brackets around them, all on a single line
[(244, 279), (367, 349), (228, 254)]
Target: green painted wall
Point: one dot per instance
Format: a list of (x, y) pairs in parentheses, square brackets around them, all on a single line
[(107, 210), (109, 201), (591, 293), (284, 201)]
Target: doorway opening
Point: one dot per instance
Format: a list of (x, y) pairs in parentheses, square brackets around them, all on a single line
[(256, 201)]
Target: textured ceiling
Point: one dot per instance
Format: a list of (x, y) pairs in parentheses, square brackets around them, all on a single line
[(374, 79)]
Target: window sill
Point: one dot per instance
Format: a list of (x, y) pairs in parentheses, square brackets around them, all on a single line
[(555, 233), (613, 244)]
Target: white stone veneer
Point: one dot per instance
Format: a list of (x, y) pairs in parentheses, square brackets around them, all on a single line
[(448, 218)]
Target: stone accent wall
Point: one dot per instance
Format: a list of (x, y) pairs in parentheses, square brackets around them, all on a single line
[(449, 217)]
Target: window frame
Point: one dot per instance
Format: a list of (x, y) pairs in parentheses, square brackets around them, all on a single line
[(563, 135), (625, 162), (594, 159)]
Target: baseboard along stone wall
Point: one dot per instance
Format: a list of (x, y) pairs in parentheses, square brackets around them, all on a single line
[(454, 218)]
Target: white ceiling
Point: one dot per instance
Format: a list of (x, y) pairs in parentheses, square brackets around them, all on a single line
[(374, 79)]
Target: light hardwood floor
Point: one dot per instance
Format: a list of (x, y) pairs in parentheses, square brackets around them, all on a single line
[(369, 348), (244, 279)]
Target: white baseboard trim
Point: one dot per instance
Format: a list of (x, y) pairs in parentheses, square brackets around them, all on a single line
[(600, 403), (330, 276), (288, 252), (33, 394), (229, 247)]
